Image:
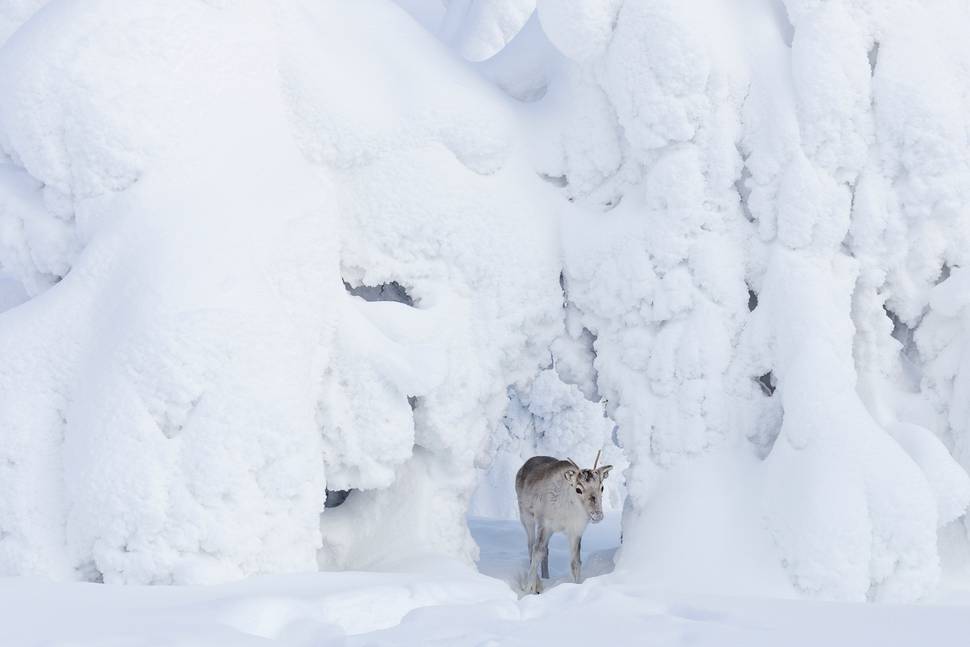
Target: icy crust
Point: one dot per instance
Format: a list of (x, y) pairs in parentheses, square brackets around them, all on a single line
[(174, 408), (763, 199)]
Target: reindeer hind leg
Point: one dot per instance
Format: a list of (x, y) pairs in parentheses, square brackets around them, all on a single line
[(539, 555), (529, 523), (545, 557)]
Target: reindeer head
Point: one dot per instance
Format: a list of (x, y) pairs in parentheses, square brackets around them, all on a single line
[(588, 486)]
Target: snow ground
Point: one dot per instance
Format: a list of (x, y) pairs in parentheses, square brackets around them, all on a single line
[(442, 602)]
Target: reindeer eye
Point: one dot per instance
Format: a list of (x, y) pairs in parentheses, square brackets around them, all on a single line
[(578, 491), (601, 488)]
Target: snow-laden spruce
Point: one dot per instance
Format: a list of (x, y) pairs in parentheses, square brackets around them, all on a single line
[(726, 159), (186, 188), (275, 248)]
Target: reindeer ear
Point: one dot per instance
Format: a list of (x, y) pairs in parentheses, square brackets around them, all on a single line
[(569, 475), (604, 471)]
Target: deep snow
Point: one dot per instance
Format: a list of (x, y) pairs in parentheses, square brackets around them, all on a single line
[(439, 602), (252, 251)]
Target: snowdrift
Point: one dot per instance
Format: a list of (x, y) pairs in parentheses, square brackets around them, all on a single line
[(276, 248), (191, 197), (763, 201)]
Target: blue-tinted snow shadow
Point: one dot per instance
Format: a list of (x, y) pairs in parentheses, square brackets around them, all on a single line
[(503, 551)]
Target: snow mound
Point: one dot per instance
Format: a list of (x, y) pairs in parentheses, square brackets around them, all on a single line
[(477, 29), (201, 237), (750, 235), (579, 29)]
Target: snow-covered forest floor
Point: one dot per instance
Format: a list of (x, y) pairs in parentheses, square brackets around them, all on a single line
[(440, 602)]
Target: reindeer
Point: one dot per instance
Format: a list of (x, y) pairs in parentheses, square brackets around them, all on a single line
[(557, 496)]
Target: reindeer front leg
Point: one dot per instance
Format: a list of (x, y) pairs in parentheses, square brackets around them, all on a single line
[(539, 552), (575, 545)]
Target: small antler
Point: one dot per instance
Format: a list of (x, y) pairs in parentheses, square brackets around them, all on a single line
[(573, 462), (596, 462)]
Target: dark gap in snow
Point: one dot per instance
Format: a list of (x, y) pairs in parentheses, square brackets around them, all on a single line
[(413, 401), (169, 429), (612, 203), (909, 351), (848, 245), (615, 436), (590, 338), (336, 498), (392, 291), (549, 362), (743, 188), (752, 300), (564, 288), (555, 180), (588, 383), (88, 572), (944, 273), (767, 426), (785, 28), (901, 332), (873, 57), (767, 383)]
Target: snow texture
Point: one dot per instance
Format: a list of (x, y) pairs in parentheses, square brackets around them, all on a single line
[(478, 29), (758, 192), (395, 249), (437, 602), (217, 377)]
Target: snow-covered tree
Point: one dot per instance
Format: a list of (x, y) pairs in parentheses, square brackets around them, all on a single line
[(275, 248)]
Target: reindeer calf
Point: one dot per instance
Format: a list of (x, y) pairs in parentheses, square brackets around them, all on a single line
[(557, 496)]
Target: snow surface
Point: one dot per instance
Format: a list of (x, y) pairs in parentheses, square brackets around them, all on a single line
[(394, 249), (441, 602)]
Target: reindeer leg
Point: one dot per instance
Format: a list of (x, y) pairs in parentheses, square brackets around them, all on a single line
[(545, 555), (576, 546), (529, 523), (539, 553)]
